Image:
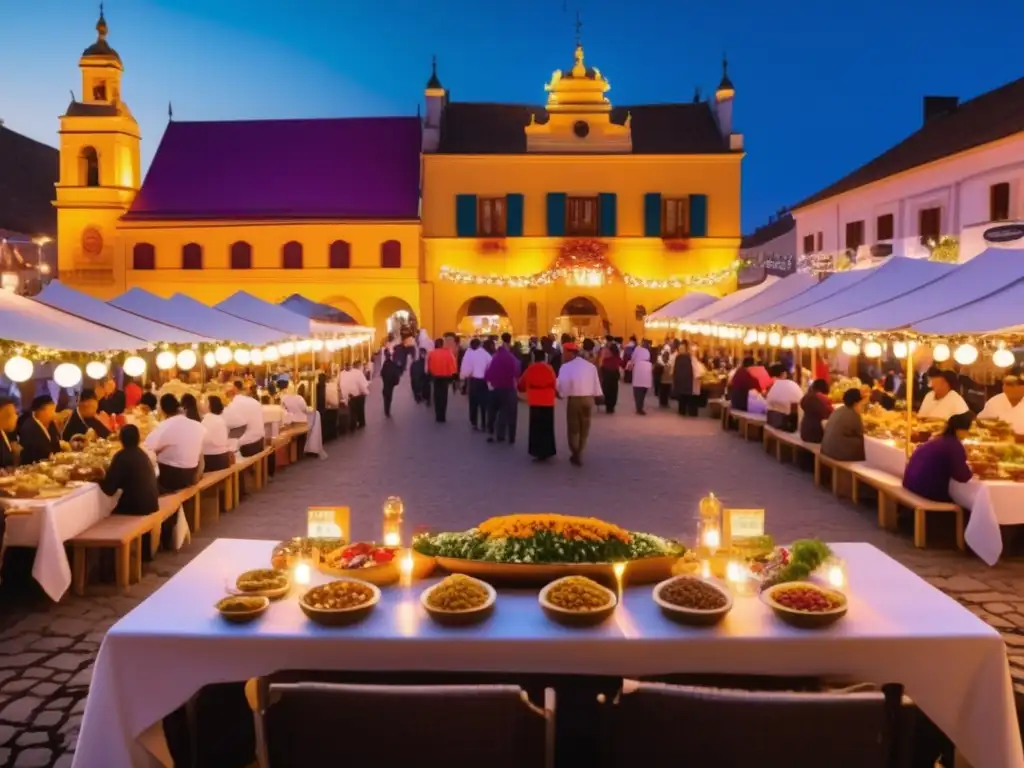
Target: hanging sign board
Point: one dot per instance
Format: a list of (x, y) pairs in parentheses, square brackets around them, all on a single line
[(740, 524), (1005, 233), (328, 523)]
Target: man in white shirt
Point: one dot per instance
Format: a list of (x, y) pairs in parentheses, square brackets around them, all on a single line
[(1004, 405), (218, 447), (943, 401), (295, 408), (246, 413), (578, 381), (783, 397), (474, 366), (177, 443), (354, 389)]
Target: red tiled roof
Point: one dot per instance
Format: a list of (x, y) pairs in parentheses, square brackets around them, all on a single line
[(989, 117), (351, 168)]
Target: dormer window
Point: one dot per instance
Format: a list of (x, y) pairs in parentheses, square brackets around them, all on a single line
[(99, 91)]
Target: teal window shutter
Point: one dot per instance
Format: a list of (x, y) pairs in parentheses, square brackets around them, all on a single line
[(514, 208), (607, 226), (652, 214), (465, 215), (556, 214), (698, 215)]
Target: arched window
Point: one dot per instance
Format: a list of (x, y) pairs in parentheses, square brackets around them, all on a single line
[(192, 256), (291, 255), (340, 255), (143, 256), (391, 254), (241, 255), (89, 167)]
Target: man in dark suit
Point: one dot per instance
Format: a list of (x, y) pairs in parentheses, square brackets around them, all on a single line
[(38, 433), (84, 417), (9, 448)]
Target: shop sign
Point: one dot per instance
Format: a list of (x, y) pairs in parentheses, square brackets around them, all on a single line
[(740, 524), (328, 523), (1005, 233)]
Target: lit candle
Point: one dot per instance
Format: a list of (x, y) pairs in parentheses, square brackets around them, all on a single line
[(392, 539), (619, 569), (705, 569), (405, 568), (835, 573), (302, 573), (712, 538), (738, 576)]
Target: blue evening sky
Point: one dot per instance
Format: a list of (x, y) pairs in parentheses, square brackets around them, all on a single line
[(821, 86)]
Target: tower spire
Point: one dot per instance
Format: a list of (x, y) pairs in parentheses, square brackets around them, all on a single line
[(579, 30), (434, 83), (170, 112), (101, 25), (726, 84)]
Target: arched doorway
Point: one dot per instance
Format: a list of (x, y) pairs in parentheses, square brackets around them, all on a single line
[(347, 306), (482, 316), (582, 316), (394, 315)]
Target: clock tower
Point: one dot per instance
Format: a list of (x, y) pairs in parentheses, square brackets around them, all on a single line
[(99, 172)]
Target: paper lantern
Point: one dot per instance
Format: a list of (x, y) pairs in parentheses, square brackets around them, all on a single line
[(242, 356), (966, 354), (303, 346), (186, 360), (873, 349), (18, 369), (165, 360), (222, 355), (940, 353), (751, 337), (210, 360), (96, 369), (899, 349), (318, 345), (270, 354), (816, 341), (802, 340), (343, 343), (762, 337), (774, 339), (287, 349), (830, 342), (134, 365), (1003, 357), (850, 347), (788, 341), (67, 375), (256, 356)]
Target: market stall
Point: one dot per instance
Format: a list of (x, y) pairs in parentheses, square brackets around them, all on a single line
[(774, 294), (681, 308), (255, 310)]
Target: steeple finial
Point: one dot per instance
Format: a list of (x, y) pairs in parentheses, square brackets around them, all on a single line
[(434, 83), (101, 25), (696, 95), (579, 30), (170, 112), (726, 84)]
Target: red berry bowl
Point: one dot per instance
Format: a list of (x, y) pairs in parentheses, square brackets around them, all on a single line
[(805, 605)]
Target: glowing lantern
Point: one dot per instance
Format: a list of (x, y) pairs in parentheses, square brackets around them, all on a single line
[(165, 360), (242, 356), (67, 375), (210, 360), (850, 347), (303, 346), (899, 349), (96, 369), (222, 355), (830, 342), (134, 365), (802, 340), (966, 354), (256, 356), (18, 369), (774, 339), (873, 349), (940, 353), (788, 341), (270, 354), (1003, 357), (287, 349), (318, 345)]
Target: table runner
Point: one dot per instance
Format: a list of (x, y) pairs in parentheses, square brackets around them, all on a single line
[(899, 629)]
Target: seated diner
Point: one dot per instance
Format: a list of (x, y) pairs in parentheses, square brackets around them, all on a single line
[(84, 418), (941, 459), (816, 407), (38, 433), (843, 437), (178, 444)]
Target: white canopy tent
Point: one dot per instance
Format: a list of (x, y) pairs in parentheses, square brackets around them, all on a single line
[(828, 287), (999, 312), (29, 322), (985, 274), (683, 307), (774, 294), (61, 297), (734, 299), (248, 307), (876, 287), (184, 312)]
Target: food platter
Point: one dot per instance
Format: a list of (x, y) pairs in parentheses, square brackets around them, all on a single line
[(833, 605), (263, 582), (463, 616), (671, 600), (577, 616), (342, 615), (648, 570)]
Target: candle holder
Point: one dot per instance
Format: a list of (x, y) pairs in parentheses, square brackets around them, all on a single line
[(393, 513), (741, 581), (834, 573), (709, 526)]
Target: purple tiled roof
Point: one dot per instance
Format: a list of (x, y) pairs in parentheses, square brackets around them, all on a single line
[(346, 168)]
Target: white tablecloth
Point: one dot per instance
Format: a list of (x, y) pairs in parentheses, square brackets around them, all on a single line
[(52, 523), (992, 502), (899, 629)]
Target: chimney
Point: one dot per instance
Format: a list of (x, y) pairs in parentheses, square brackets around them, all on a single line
[(937, 106)]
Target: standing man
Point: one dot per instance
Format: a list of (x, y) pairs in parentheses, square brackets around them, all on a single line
[(473, 372), (390, 375), (354, 389), (578, 381), (440, 369), (503, 379)]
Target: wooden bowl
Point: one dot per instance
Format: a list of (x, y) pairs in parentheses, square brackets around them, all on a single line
[(695, 617), (577, 618), (260, 605), (805, 619), (340, 617), (459, 618), (273, 594)]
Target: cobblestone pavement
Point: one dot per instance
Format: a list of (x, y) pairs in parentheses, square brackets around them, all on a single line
[(646, 473)]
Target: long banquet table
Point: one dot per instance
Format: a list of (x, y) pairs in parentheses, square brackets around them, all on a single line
[(993, 503), (899, 629), (48, 523)]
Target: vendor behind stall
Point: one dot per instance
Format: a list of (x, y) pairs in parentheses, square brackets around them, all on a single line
[(1004, 405), (943, 401), (84, 417)]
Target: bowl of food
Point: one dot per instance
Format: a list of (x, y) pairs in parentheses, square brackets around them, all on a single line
[(340, 602), (363, 561), (239, 609), (805, 605), (288, 553), (458, 600), (693, 600), (266, 582), (577, 601)]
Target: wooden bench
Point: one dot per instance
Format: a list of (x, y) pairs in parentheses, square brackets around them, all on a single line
[(892, 495), (124, 534), (716, 406), (838, 470), (258, 464), (726, 416), (221, 483), (294, 432), (779, 438), (748, 422)]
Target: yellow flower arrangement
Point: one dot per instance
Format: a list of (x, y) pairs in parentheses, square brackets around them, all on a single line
[(568, 526)]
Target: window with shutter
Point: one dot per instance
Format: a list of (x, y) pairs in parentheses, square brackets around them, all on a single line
[(492, 217), (698, 224), (581, 216), (514, 204), (674, 219), (854, 234), (465, 215)]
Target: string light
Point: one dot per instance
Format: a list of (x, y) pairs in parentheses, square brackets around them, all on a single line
[(96, 370), (549, 276), (940, 353), (965, 354)]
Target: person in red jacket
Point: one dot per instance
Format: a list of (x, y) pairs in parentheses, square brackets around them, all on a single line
[(441, 369), (742, 382), (539, 383)]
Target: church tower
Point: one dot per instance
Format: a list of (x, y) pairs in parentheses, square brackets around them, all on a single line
[(100, 171)]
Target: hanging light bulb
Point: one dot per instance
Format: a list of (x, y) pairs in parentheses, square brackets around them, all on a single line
[(256, 356), (134, 365), (165, 360), (67, 375), (242, 356), (186, 360), (788, 341), (287, 349), (899, 350), (1003, 357), (802, 339), (303, 346), (774, 339), (831, 342), (210, 360), (318, 345), (966, 354), (873, 349), (18, 369), (762, 337), (270, 354), (817, 341), (331, 345), (850, 347), (96, 369), (222, 355), (343, 343), (940, 353)]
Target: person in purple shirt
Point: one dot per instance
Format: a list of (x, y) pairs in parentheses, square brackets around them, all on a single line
[(940, 460), (503, 377)]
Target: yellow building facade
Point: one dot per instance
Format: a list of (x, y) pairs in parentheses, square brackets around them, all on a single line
[(576, 216)]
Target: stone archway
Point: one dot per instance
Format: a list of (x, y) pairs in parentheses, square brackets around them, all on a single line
[(482, 315), (391, 314), (347, 306), (582, 316)]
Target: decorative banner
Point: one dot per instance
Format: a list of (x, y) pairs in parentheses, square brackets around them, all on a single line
[(742, 524), (328, 523)]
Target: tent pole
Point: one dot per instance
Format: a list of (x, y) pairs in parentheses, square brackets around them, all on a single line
[(909, 378)]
